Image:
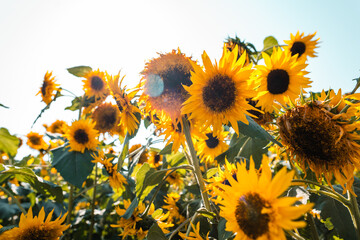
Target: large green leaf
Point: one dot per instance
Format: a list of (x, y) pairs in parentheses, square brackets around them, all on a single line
[(79, 71), (73, 166), (269, 43), (146, 179), (24, 174), (8, 143), (155, 233)]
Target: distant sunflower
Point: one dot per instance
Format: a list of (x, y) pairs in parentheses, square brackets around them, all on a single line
[(56, 127), (107, 118), (95, 84), (129, 113), (35, 228), (252, 206), (243, 47), (163, 81), (173, 133), (36, 141), (116, 179), (176, 180), (48, 88), (170, 205), (81, 135), (321, 140), (262, 118), (211, 146), (281, 80), (155, 159), (302, 45), (218, 94), (135, 149)]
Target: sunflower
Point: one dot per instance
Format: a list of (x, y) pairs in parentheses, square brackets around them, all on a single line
[(302, 45), (107, 118), (34, 228), (36, 141), (175, 180), (211, 146), (281, 80), (170, 204), (173, 133), (218, 94), (116, 179), (243, 47), (95, 84), (163, 81), (129, 113), (252, 206), (135, 149), (82, 134), (262, 118), (155, 160), (195, 234), (56, 127), (323, 141), (48, 87)]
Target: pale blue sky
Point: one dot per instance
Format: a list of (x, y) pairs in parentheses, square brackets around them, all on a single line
[(36, 36)]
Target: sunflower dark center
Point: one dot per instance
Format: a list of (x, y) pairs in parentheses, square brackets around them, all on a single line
[(145, 223), (157, 158), (278, 81), (226, 182), (298, 47), (211, 142), (36, 234), (220, 93), (43, 88), (108, 120), (175, 77), (249, 217), (81, 136), (97, 83), (35, 140)]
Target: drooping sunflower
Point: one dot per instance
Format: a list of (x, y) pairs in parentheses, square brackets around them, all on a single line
[(243, 47), (129, 112), (81, 135), (322, 140), (211, 146), (302, 45), (163, 81), (107, 118), (95, 84), (116, 179), (252, 206), (56, 127), (219, 93), (49, 88), (281, 80), (36, 141), (37, 227)]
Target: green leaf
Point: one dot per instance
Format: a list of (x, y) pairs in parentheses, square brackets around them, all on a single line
[(8, 143), (2, 105), (78, 102), (254, 130), (146, 179), (3, 229), (73, 166), (166, 149), (79, 71), (222, 233), (155, 233), (131, 208), (269, 43), (211, 172), (328, 224), (24, 174)]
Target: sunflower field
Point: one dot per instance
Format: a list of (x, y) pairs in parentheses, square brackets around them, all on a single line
[(236, 148)]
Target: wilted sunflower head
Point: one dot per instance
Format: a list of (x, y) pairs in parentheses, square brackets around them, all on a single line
[(163, 80), (318, 139), (95, 84), (82, 135), (48, 87), (242, 47), (219, 92), (281, 80), (107, 118), (302, 45), (37, 227), (36, 141)]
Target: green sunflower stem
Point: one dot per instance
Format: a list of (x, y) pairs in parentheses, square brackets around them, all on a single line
[(195, 163), (354, 212), (14, 199), (70, 207), (191, 222), (93, 205), (294, 235)]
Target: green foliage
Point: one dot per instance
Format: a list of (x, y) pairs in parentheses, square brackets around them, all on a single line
[(8, 143), (166, 149), (155, 233), (269, 43), (23, 174), (79, 71), (73, 166), (146, 179), (82, 101)]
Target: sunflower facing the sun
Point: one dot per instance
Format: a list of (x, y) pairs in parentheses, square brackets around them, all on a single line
[(82, 135), (281, 79), (219, 92), (252, 206), (48, 87), (95, 84), (302, 45)]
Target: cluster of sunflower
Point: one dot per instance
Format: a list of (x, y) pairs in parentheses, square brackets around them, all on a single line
[(245, 153)]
